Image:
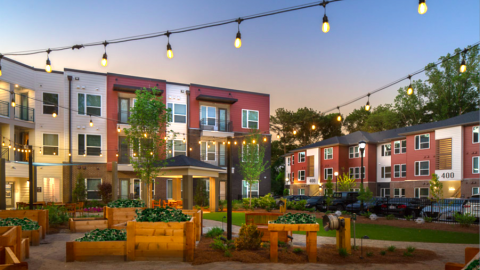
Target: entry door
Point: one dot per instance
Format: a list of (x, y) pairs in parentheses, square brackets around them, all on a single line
[(137, 189), (222, 120), (124, 188), (10, 194)]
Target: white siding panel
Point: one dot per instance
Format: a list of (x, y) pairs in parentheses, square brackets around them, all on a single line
[(383, 162), (314, 152), (456, 134)]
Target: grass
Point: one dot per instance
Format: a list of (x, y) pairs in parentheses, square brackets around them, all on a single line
[(380, 232)]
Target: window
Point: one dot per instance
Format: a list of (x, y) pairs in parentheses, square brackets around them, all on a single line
[(386, 172), (475, 191), (92, 143), (178, 113), (246, 188), (400, 170), (301, 175), (400, 147), (386, 150), (384, 192), (249, 119), (475, 131), (301, 157), (207, 151), (475, 168), (50, 144), (293, 159), (422, 141), (93, 193), (93, 104), (293, 176), (443, 155), (328, 172), (422, 168), (421, 192), (328, 153), (50, 103), (301, 191), (355, 172), (288, 161), (311, 166), (176, 148), (208, 115), (399, 193), (354, 152), (169, 189)]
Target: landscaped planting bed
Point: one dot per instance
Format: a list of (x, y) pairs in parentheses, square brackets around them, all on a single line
[(106, 244), (119, 212), (30, 228), (87, 224)]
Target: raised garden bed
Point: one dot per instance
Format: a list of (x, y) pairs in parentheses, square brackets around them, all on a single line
[(33, 236), (9, 260), (40, 216), (30, 228), (87, 224), (198, 215), (118, 217), (92, 247)]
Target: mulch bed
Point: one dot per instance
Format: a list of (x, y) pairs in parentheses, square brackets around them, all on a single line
[(327, 254)]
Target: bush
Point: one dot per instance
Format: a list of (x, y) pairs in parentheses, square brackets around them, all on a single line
[(300, 205), (79, 193), (105, 190), (26, 223), (221, 205), (391, 248), (249, 238), (366, 214), (57, 215), (299, 218), (311, 209), (235, 207), (282, 244), (428, 219), (383, 252), (266, 201), (161, 215), (198, 207), (342, 252), (369, 254), (410, 249), (286, 192), (200, 196), (104, 235), (123, 203), (465, 220), (214, 232), (290, 205), (297, 250), (409, 217), (268, 209), (346, 213), (390, 217)]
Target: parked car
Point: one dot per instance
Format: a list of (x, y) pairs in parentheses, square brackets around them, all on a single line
[(472, 206), (292, 198), (444, 210), (400, 207), (340, 200), (367, 206), (316, 201)]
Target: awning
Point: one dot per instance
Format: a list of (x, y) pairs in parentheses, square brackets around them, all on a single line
[(217, 99)]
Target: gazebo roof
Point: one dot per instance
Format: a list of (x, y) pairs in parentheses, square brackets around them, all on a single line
[(183, 165), (184, 161)]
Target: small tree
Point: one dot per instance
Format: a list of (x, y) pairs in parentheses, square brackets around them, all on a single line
[(345, 183), (147, 137), (365, 195), (80, 190), (329, 192), (252, 163), (105, 190), (436, 188)]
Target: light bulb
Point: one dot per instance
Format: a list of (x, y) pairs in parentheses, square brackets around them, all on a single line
[(463, 66), (14, 148), (118, 129), (325, 24), (367, 107), (238, 40), (48, 66), (84, 154), (278, 136), (69, 154), (13, 103), (91, 123), (235, 142), (151, 153), (169, 51), (294, 132), (265, 139), (183, 140), (40, 151), (10, 146), (199, 142), (422, 7), (116, 154), (243, 142), (145, 134), (54, 153), (339, 118), (104, 61), (0, 70), (410, 90), (314, 127), (253, 141), (54, 115), (101, 155), (3, 143)]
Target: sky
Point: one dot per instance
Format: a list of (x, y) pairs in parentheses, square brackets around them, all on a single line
[(370, 43)]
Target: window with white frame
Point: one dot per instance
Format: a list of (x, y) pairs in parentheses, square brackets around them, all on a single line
[(475, 137), (91, 143), (178, 113), (293, 159), (169, 189), (301, 175), (246, 189), (207, 151), (250, 119), (399, 193), (475, 168), (354, 152), (50, 144), (354, 172), (293, 177), (288, 161), (422, 141), (328, 153), (301, 191), (400, 170), (384, 192), (386, 150), (176, 148), (328, 173), (355, 189), (386, 172), (89, 104), (50, 103), (400, 146), (301, 157), (93, 192), (475, 191), (422, 168), (421, 192), (208, 115)]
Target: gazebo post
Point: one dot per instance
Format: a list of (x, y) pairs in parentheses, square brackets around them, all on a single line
[(188, 192), (214, 194)]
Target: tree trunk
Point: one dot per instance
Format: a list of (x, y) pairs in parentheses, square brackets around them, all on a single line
[(250, 194)]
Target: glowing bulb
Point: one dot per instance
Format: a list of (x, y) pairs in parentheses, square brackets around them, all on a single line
[(54, 153), (463, 66), (101, 155), (422, 7), (184, 140), (13, 103), (190, 149), (339, 118), (54, 115), (116, 154), (10, 146), (151, 153), (145, 134), (84, 154), (325, 25), (91, 123), (278, 136), (294, 132), (14, 148), (48, 67), (134, 154), (69, 154), (169, 51), (40, 151), (118, 129), (16, 85), (238, 40), (3, 143), (313, 127), (104, 61), (235, 142), (223, 143), (253, 141), (0, 70), (410, 90), (265, 139), (213, 142), (243, 142), (170, 151), (367, 107), (199, 142)]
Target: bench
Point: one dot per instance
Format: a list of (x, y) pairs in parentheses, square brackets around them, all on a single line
[(261, 221)]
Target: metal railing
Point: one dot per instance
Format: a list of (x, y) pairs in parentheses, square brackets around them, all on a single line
[(216, 124), (19, 156), (25, 113), (4, 108)]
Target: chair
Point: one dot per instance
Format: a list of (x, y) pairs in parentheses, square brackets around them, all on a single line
[(80, 206), (50, 203), (180, 204), (156, 203), (71, 209), (165, 204)]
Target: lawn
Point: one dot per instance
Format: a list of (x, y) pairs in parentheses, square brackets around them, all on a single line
[(379, 232)]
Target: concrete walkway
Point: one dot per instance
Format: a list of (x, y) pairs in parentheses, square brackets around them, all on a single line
[(50, 255)]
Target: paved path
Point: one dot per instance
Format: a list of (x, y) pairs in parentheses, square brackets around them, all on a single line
[(50, 255)]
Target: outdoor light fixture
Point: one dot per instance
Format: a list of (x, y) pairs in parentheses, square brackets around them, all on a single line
[(10, 146), (199, 142), (265, 139), (422, 7), (367, 107), (362, 145), (1, 56), (104, 61), (238, 39), (48, 66), (169, 47), (339, 117), (3, 143), (13, 102), (118, 129), (235, 142), (244, 142), (69, 154), (91, 122), (410, 88), (54, 115), (116, 154), (40, 150), (313, 127), (463, 66), (325, 24)]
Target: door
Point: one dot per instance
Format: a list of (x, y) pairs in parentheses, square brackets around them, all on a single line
[(24, 107), (124, 188), (222, 120), (124, 110), (137, 189), (10, 194)]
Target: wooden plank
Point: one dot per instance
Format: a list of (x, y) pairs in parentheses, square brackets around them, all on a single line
[(70, 252), (18, 241), (154, 254), (8, 238), (190, 241), (160, 225), (159, 239), (25, 249), (10, 257), (131, 241), (273, 246), (33, 235), (312, 246), (293, 227)]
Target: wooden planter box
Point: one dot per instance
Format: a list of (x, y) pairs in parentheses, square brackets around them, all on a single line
[(40, 216), (198, 215), (12, 237), (118, 217), (25, 249), (169, 241), (87, 224), (33, 236), (95, 251), (311, 230), (9, 260)]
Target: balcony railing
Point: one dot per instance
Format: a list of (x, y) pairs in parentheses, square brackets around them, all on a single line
[(25, 113), (123, 116), (216, 124), (19, 156), (6, 153), (4, 108)]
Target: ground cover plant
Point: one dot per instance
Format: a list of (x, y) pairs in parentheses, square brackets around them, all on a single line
[(104, 235), (26, 223), (161, 215), (298, 218), (214, 232), (124, 203)]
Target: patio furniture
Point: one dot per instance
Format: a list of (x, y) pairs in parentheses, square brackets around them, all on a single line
[(172, 203), (80, 206), (71, 209), (165, 204), (156, 203), (180, 203)]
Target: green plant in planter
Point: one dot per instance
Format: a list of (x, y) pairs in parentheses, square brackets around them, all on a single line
[(124, 203), (104, 235), (299, 218), (161, 215), (26, 223), (57, 215)]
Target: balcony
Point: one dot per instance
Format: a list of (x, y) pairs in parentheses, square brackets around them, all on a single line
[(216, 127), (5, 153), (4, 108), (25, 113)]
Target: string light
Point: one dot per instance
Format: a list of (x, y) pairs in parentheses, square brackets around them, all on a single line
[(69, 154), (463, 65), (116, 154), (145, 135), (294, 132), (213, 142), (134, 154), (235, 142), (278, 136), (54, 153), (244, 142), (3, 143), (169, 47), (14, 148), (199, 142), (40, 150), (367, 107), (91, 122), (13, 100), (48, 66), (84, 154), (238, 39), (422, 7), (101, 155), (151, 153), (10, 146), (410, 88), (325, 24), (313, 127), (190, 149), (1, 56), (339, 116), (184, 140), (54, 115), (104, 61), (118, 129)]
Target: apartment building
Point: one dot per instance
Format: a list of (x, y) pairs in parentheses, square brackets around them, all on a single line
[(396, 163), (72, 118)]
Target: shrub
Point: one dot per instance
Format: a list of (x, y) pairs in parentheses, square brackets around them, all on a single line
[(198, 207), (298, 250), (343, 252), (328, 212), (407, 254), (299, 218), (26, 223), (282, 244), (123, 203), (222, 244), (249, 238), (200, 196), (465, 220), (235, 207), (390, 217), (369, 254), (311, 209), (428, 219), (104, 235), (221, 205), (366, 214), (57, 215), (214, 232), (286, 192), (410, 249), (161, 215), (409, 217), (79, 193), (300, 205), (105, 190), (383, 252), (290, 205), (391, 248), (266, 201)]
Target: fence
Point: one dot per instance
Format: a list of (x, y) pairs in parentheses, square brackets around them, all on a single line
[(214, 124)]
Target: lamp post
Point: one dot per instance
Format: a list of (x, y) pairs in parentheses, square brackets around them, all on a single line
[(361, 145), (336, 177)]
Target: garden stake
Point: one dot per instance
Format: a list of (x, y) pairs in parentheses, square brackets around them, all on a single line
[(361, 245)]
